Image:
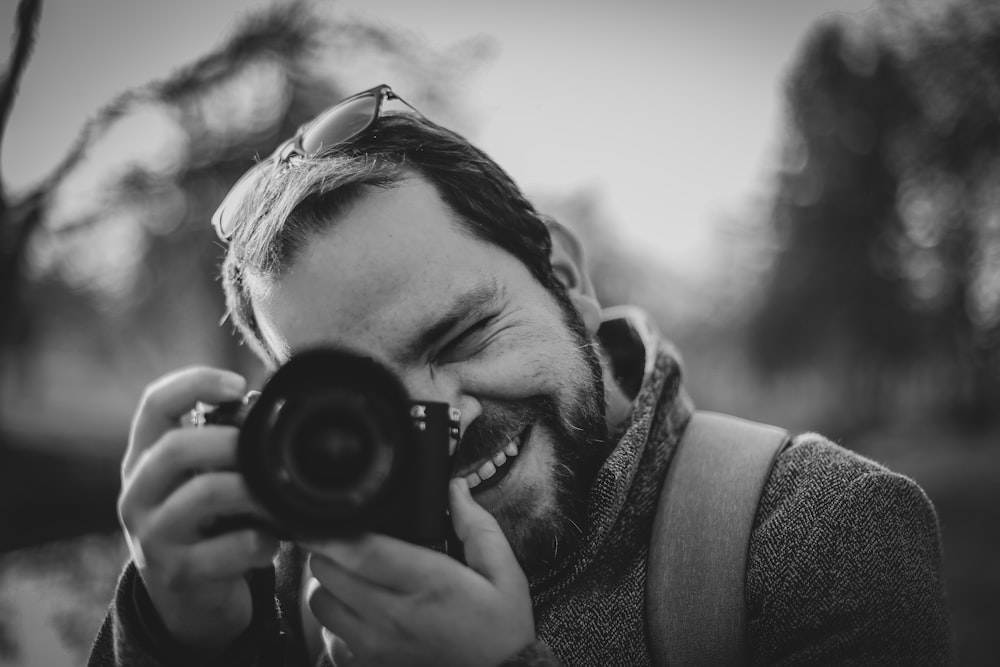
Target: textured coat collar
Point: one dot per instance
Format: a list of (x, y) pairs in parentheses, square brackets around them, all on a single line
[(660, 409)]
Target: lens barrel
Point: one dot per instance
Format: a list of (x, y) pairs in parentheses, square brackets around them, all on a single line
[(333, 445)]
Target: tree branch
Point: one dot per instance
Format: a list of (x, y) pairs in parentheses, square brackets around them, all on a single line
[(26, 27)]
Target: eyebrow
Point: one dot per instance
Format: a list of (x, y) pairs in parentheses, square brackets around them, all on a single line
[(480, 298)]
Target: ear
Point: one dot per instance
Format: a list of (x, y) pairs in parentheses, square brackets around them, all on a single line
[(569, 265)]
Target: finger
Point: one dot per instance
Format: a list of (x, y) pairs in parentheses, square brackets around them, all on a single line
[(334, 614), (341, 652), (173, 459), (232, 554), (197, 506), (363, 596), (390, 563), (171, 396), (487, 550)]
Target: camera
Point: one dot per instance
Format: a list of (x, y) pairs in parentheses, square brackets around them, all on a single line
[(333, 445)]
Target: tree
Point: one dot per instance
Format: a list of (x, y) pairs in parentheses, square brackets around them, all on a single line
[(886, 208)]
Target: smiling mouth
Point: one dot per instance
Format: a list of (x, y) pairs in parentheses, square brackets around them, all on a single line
[(490, 471)]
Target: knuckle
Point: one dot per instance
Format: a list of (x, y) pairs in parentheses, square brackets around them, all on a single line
[(148, 395), (130, 513), (124, 507), (168, 451), (216, 491), (151, 395), (431, 596), (144, 551), (145, 461)]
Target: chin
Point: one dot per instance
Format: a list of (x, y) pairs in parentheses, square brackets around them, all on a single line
[(533, 505)]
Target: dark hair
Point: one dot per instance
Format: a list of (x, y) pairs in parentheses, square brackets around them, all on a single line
[(303, 198)]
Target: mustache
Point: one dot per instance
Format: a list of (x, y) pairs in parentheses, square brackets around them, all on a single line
[(499, 423)]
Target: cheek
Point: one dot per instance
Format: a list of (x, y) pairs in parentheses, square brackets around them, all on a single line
[(532, 493), (525, 368)]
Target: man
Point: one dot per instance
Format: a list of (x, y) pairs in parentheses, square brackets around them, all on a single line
[(387, 235)]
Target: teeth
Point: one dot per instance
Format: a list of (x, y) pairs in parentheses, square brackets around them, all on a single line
[(487, 470)]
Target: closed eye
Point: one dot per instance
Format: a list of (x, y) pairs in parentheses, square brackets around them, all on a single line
[(466, 344)]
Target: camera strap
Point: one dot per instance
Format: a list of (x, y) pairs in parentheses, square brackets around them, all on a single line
[(696, 569)]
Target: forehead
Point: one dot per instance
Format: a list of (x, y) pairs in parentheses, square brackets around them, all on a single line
[(394, 261)]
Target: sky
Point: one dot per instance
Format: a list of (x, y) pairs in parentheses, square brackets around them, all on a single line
[(668, 111)]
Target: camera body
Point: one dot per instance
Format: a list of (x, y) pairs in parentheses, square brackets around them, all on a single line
[(333, 445)]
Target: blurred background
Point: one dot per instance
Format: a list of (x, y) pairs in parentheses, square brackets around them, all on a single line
[(804, 194)]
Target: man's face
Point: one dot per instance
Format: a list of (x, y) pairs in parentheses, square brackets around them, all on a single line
[(464, 322)]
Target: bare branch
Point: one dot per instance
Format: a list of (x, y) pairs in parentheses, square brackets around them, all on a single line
[(28, 14)]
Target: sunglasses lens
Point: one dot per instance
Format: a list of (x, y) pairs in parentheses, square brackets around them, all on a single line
[(225, 216), (340, 123)]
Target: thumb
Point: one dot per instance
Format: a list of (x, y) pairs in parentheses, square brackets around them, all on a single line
[(486, 548)]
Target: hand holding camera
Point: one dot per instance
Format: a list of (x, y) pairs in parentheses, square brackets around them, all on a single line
[(194, 574), (386, 602), (334, 453), (331, 446)]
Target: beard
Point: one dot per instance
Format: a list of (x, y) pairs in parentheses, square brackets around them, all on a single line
[(578, 432)]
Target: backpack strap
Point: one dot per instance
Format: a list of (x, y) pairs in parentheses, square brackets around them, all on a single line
[(696, 572)]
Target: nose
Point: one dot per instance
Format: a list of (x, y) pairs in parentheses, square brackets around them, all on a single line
[(424, 385)]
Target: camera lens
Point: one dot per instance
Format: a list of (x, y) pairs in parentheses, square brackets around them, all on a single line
[(321, 446), (332, 452)]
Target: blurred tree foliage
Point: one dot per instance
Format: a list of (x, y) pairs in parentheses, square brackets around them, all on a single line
[(123, 219), (887, 210)]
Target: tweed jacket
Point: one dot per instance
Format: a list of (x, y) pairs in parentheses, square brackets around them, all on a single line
[(844, 563)]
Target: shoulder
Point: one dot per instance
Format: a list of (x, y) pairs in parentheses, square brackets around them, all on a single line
[(845, 550), (813, 472), (815, 481)]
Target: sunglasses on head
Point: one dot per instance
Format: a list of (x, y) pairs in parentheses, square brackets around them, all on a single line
[(339, 124)]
